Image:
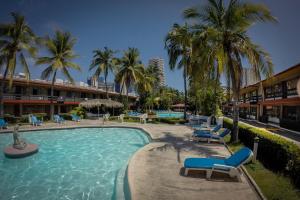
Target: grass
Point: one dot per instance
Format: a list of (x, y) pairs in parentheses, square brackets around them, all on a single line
[(273, 185)]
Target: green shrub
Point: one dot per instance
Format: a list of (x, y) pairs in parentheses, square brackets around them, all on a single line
[(275, 152), (80, 111), (66, 116)]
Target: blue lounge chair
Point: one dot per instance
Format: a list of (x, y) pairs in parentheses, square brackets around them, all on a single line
[(212, 136), (75, 118), (59, 119), (3, 124), (35, 121), (229, 165), (207, 131)]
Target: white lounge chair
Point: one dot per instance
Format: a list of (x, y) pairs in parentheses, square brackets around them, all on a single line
[(228, 166), (121, 118)]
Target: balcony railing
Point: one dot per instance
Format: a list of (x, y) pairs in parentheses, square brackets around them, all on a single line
[(40, 98)]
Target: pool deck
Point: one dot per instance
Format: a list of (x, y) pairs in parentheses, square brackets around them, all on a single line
[(156, 172)]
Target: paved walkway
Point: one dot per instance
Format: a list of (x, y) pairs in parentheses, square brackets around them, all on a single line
[(156, 172)]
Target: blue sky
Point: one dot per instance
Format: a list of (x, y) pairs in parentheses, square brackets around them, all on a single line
[(143, 24)]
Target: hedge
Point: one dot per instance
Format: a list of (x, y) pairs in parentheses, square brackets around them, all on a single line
[(275, 152)]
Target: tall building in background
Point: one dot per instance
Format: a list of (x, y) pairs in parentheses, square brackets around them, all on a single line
[(159, 62), (249, 77)]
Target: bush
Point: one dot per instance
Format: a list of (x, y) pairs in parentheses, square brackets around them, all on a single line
[(66, 116), (170, 120), (275, 152), (80, 111)]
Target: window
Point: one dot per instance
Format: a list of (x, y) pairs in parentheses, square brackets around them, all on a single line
[(70, 94), (291, 113), (35, 91), (269, 92), (272, 111), (292, 87), (278, 90)]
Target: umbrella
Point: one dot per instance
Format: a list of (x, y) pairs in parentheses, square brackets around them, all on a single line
[(101, 102)]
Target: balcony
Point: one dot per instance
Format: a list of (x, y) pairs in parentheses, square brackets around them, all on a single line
[(40, 98)]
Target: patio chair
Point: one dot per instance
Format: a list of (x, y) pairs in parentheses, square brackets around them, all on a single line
[(106, 117), (207, 131), (212, 136), (121, 118), (143, 118), (228, 166), (3, 124), (35, 121), (75, 118), (59, 119)]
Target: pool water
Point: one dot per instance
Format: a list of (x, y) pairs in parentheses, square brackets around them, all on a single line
[(170, 114), (81, 163)]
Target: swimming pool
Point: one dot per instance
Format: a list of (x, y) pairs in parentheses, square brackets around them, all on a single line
[(82, 163), (170, 114)]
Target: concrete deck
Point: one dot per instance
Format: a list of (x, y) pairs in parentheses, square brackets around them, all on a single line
[(155, 171)]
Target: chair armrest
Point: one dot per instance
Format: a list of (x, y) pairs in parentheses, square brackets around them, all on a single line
[(218, 157), (222, 167)]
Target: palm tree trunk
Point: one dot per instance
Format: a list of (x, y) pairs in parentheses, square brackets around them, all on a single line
[(235, 128), (52, 93), (106, 89), (185, 90)]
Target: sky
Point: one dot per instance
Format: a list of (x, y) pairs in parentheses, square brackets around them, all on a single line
[(119, 24)]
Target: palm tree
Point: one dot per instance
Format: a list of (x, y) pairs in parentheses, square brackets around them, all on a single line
[(225, 27), (60, 49), (179, 46), (131, 69), (104, 62), (17, 41)]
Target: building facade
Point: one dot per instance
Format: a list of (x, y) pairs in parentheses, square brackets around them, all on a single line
[(34, 96), (159, 62), (274, 100)]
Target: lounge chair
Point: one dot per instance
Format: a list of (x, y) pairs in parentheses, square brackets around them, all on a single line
[(213, 136), (229, 165), (121, 118), (143, 118), (75, 118), (207, 131), (35, 121), (59, 119), (106, 117), (3, 124)]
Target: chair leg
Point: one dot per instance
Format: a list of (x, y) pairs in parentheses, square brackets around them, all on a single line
[(208, 173), (186, 171)]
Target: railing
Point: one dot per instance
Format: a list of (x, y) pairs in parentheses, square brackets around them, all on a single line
[(40, 98), (292, 92)]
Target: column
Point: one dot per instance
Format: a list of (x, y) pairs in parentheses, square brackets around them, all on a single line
[(21, 109)]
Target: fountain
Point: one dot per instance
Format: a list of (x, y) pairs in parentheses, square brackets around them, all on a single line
[(19, 148)]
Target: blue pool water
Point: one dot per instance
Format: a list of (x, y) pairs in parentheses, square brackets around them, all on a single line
[(170, 114), (81, 163)]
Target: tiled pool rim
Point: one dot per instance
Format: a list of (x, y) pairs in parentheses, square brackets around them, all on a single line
[(122, 190)]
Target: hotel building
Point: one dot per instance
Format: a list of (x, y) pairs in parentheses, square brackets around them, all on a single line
[(274, 100), (159, 62), (34, 96)]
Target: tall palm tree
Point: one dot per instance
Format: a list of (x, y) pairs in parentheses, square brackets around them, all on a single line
[(104, 61), (17, 41), (179, 43), (226, 27), (131, 69), (60, 49)]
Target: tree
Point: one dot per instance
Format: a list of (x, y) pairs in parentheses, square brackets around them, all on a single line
[(17, 41), (179, 46), (60, 49), (225, 27), (104, 62), (130, 71)]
